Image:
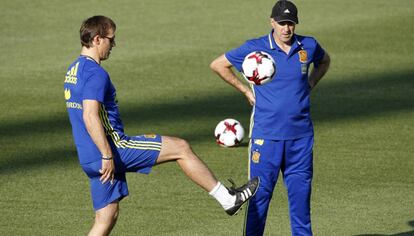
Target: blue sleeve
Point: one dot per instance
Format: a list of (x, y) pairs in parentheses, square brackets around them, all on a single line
[(318, 54), (96, 86), (236, 56)]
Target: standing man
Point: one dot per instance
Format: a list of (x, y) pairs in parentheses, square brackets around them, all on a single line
[(281, 127), (106, 153)]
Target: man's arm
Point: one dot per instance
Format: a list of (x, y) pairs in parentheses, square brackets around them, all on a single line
[(95, 129), (222, 67), (317, 73)]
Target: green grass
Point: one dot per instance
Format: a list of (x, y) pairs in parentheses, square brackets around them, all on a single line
[(363, 114)]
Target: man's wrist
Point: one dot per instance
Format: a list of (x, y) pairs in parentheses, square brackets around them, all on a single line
[(107, 157)]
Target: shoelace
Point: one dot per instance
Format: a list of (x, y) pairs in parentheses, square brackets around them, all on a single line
[(244, 192), (233, 189)]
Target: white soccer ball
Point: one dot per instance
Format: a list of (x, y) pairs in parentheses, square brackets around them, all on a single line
[(258, 68), (229, 133)]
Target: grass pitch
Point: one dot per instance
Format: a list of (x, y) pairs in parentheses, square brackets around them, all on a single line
[(363, 113)]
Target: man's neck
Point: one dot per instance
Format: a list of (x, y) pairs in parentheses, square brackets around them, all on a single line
[(282, 45), (92, 53)]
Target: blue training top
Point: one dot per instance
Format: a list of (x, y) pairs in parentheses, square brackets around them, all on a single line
[(86, 79), (282, 109)]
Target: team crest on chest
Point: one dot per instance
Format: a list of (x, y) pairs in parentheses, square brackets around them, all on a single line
[(303, 56), (256, 157)]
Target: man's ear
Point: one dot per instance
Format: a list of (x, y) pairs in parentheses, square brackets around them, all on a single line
[(272, 22), (96, 40)]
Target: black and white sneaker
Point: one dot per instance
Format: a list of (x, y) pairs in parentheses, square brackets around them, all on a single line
[(243, 194)]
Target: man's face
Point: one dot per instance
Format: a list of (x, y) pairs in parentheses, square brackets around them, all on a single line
[(284, 30), (106, 44)]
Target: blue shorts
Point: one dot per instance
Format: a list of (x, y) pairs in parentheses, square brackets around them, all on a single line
[(133, 154)]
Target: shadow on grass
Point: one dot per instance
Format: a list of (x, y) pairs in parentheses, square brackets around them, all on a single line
[(360, 98), (364, 97), (409, 233), (27, 161)]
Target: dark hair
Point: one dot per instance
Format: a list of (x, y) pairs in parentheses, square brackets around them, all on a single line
[(95, 25)]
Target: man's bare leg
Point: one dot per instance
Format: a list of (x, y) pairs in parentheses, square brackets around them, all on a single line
[(176, 149), (105, 220)]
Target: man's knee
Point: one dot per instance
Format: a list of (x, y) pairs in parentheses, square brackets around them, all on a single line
[(183, 146), (107, 220), (178, 146), (174, 149), (107, 217)]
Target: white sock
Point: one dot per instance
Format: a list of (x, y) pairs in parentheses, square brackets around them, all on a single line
[(222, 195)]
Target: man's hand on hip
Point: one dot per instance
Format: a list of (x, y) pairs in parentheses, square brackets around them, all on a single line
[(107, 170)]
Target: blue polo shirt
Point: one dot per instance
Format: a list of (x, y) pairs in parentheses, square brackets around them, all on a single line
[(86, 79), (282, 109)]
